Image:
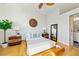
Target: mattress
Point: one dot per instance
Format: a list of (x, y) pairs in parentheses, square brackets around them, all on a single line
[(37, 45)]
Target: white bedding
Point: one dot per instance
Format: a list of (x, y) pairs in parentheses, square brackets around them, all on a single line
[(37, 45)]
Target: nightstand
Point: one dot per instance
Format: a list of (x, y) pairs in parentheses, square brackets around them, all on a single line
[(14, 40), (45, 35)]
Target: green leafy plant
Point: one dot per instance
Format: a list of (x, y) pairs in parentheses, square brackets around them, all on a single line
[(5, 24)]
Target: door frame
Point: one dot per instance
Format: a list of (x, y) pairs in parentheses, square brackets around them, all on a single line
[(71, 20), (71, 35)]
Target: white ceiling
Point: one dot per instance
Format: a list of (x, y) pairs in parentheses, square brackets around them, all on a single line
[(63, 7)]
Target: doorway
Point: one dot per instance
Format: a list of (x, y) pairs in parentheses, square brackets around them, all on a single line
[(74, 30)]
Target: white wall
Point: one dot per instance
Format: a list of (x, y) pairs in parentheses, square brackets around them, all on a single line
[(1, 36), (52, 19), (63, 24), (20, 16)]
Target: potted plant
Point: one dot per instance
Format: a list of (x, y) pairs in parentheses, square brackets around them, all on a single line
[(5, 24)]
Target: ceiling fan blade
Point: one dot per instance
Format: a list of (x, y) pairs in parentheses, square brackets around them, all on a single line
[(49, 4), (40, 5)]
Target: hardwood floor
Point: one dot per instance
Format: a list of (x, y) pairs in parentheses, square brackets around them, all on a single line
[(20, 50), (70, 51)]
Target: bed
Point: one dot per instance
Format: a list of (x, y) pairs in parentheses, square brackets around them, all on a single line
[(36, 45)]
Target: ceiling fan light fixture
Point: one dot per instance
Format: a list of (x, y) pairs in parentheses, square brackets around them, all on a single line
[(48, 4), (40, 5)]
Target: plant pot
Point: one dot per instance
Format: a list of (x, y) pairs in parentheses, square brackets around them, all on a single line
[(4, 45)]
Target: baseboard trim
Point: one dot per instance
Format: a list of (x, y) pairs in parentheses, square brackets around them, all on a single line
[(64, 43)]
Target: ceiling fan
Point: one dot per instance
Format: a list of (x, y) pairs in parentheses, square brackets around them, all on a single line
[(48, 4)]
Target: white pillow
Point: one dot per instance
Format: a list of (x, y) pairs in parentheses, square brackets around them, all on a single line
[(34, 35), (39, 35), (29, 35)]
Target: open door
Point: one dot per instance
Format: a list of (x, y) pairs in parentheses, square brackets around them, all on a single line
[(53, 32)]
